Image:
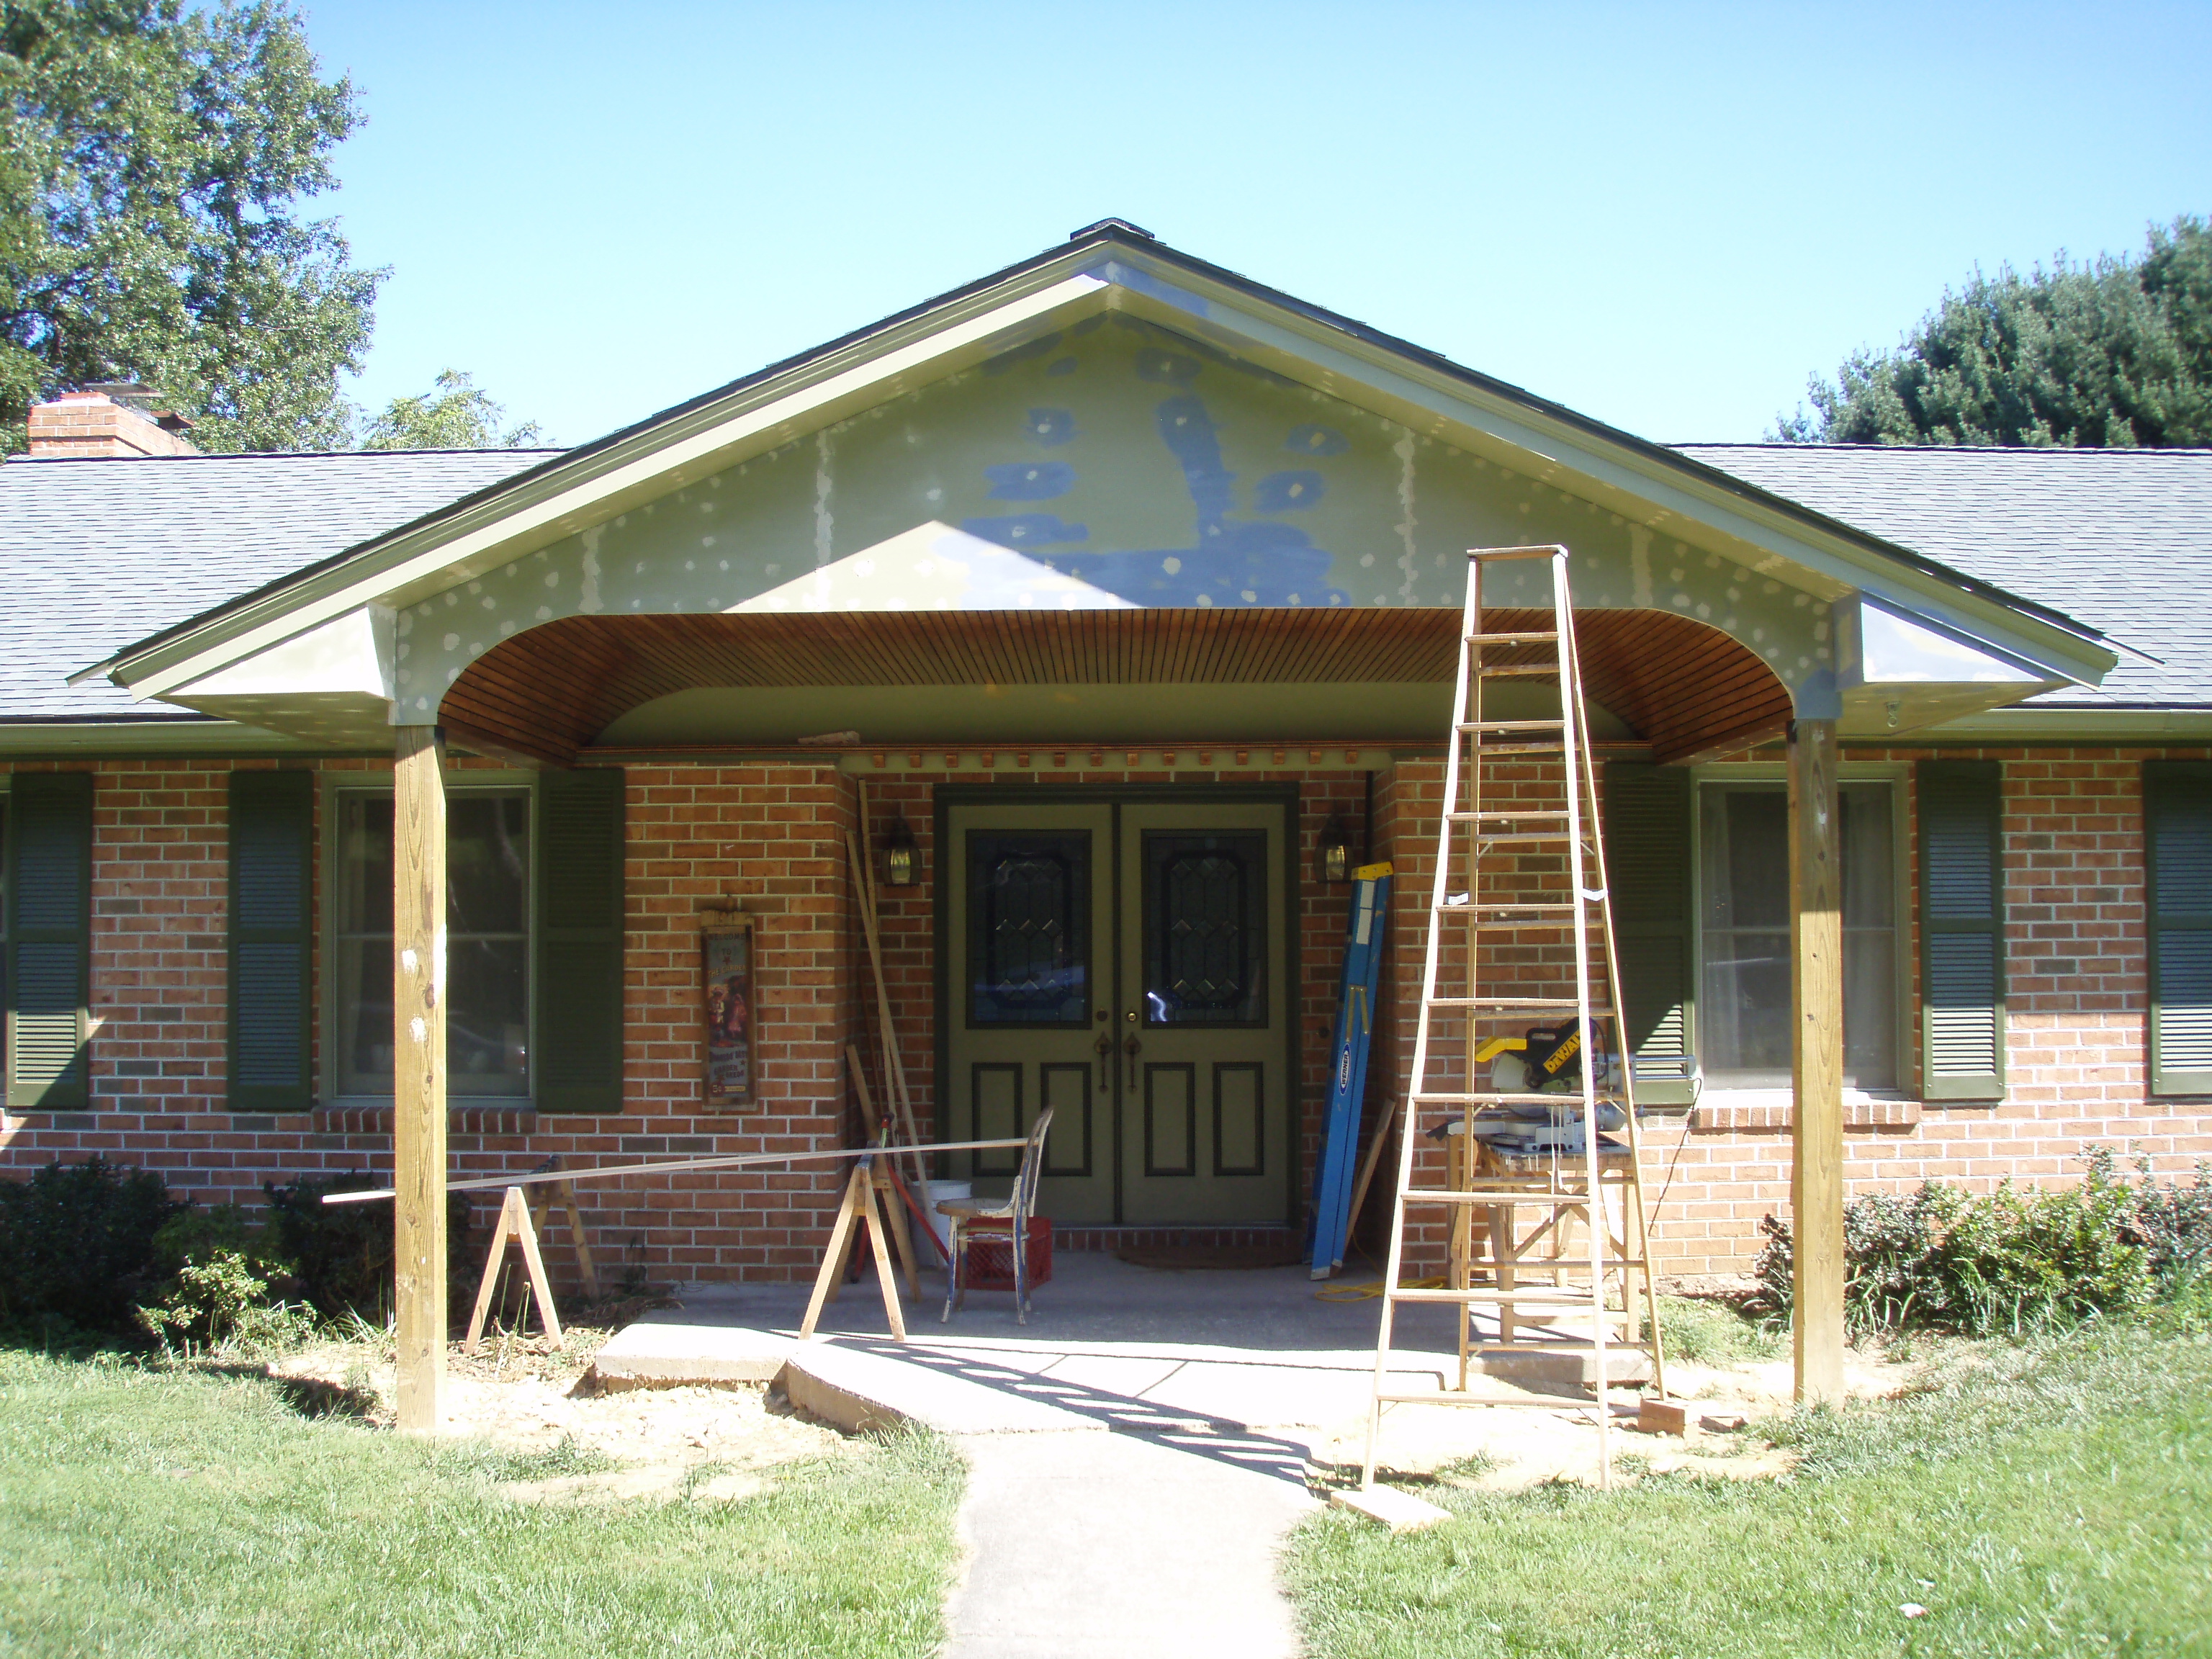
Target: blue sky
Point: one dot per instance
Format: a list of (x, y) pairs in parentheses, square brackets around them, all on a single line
[(1665, 217)]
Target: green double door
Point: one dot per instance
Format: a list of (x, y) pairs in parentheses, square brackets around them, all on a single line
[(1128, 964)]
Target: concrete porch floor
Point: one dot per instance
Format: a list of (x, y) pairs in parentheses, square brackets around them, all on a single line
[(1137, 1451)]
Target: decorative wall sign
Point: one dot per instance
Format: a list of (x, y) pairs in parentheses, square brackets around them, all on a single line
[(726, 950)]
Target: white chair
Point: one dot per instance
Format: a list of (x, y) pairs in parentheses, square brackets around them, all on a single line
[(1009, 1220)]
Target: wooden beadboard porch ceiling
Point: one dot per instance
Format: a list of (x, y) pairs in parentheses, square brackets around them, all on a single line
[(1685, 688)]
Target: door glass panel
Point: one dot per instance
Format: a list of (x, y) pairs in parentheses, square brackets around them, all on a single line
[(1028, 917), (1205, 934)]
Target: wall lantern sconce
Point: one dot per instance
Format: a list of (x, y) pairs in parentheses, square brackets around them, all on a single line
[(901, 857), (1335, 853)]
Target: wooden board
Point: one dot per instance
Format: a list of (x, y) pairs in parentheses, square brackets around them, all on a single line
[(1816, 1060), (418, 1094)]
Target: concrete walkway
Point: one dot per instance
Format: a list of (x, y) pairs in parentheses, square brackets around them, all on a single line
[(1137, 1452)]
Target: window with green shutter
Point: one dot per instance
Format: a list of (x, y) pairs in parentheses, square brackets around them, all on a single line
[(2178, 900), (579, 1063), (273, 822), (1648, 867), (1962, 1025), (49, 894)]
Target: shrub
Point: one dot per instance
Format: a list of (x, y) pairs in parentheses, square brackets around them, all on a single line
[(223, 1303), (76, 1244), (2016, 1262), (342, 1253)]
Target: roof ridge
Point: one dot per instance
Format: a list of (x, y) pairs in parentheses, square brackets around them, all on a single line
[(2176, 450), (267, 455)]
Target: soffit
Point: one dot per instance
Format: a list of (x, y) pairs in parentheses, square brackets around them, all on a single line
[(1679, 685)]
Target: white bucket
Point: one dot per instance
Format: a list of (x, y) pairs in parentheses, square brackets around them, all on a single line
[(931, 1193)]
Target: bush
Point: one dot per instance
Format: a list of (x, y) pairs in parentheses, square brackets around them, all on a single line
[(76, 1244), (2017, 1262), (342, 1253), (218, 1289), (223, 1303)]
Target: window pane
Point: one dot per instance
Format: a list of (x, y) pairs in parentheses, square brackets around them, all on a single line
[(365, 864), (486, 944), (1029, 913), (1206, 930), (364, 1024), (1743, 1014), (487, 1015), (487, 863)]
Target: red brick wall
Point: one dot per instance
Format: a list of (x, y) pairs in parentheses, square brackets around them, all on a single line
[(2076, 1048), (771, 835)]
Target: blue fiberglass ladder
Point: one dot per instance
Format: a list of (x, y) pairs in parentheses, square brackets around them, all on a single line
[(1355, 1032)]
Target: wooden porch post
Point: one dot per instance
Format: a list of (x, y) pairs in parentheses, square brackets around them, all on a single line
[(1816, 1059), (418, 1094)]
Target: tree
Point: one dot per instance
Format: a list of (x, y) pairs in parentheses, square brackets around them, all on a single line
[(153, 163), (2113, 354), (462, 419)]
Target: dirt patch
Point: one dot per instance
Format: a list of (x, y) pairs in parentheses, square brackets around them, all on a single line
[(534, 1402), (1548, 1440)]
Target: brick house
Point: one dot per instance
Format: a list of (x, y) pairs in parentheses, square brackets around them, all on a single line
[(1109, 592)]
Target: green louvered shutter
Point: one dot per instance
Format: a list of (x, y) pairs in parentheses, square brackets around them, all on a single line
[(272, 827), (1648, 860), (49, 940), (1962, 1025), (2178, 849), (578, 1066)]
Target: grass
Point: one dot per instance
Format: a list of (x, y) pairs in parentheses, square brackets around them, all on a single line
[(171, 1512), (1711, 1332), (2040, 1502)]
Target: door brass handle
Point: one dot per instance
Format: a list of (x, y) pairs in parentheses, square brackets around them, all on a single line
[(1105, 1048), (1132, 1047)]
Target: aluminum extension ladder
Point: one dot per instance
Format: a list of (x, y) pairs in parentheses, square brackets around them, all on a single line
[(1521, 863)]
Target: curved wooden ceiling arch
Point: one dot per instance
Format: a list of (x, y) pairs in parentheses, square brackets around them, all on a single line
[(1685, 687)]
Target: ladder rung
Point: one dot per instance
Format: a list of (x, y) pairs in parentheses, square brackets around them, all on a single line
[(1508, 639), (1500, 1195), (1512, 726), (1542, 746), (1519, 671), (1449, 910), (1583, 1304), (1504, 815), (1494, 1097), (1534, 1003), (1527, 837)]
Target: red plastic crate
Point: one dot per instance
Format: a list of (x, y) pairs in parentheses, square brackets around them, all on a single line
[(990, 1258)]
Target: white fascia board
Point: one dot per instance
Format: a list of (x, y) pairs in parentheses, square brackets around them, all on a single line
[(1439, 405), (350, 655), (2026, 723), (563, 503)]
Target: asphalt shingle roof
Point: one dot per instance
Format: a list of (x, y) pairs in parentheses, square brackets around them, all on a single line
[(2118, 538), (97, 555)]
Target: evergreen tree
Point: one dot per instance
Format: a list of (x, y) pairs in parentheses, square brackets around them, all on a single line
[(2117, 354), (153, 163)]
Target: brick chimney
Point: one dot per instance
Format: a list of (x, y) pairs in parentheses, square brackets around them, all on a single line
[(114, 420)]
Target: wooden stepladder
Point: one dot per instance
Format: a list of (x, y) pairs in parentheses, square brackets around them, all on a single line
[(1521, 962)]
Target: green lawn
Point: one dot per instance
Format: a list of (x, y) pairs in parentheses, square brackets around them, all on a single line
[(2053, 1502), (181, 1513)]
